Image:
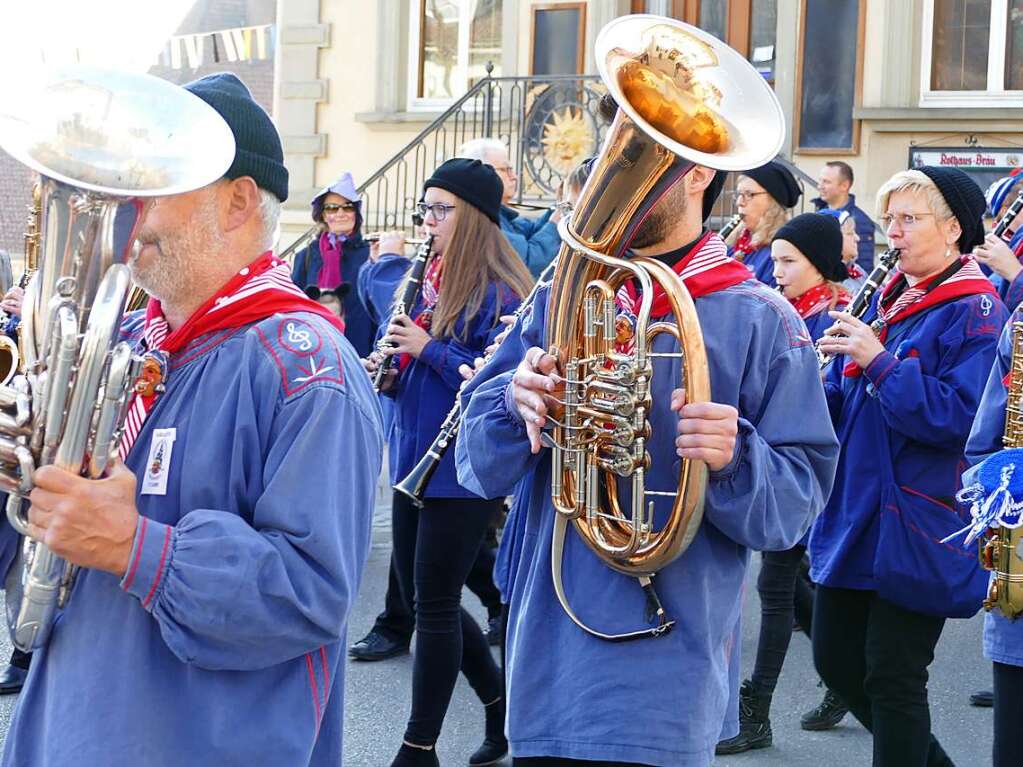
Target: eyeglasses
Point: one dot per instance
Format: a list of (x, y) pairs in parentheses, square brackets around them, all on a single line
[(438, 210), (564, 208), (905, 220), (347, 207), (746, 195), (503, 168)]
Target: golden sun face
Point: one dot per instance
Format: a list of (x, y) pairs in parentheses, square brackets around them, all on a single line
[(567, 140)]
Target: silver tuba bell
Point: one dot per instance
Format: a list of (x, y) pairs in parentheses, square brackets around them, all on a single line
[(105, 144)]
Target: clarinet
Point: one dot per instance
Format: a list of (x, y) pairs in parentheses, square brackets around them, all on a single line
[(386, 372), (730, 225), (414, 484), (858, 306), (1003, 223)]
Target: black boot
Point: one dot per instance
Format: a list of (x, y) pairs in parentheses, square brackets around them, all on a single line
[(828, 714), (495, 744), (414, 756), (754, 724)]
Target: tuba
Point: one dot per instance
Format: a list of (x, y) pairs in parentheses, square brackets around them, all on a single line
[(684, 98), (104, 144)]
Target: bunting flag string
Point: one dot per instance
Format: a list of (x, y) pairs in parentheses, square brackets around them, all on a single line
[(232, 45)]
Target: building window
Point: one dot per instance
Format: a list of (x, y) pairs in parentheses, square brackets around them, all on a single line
[(829, 71), (558, 39), (973, 53), (452, 42)]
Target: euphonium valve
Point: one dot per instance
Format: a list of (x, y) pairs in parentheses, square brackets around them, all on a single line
[(684, 99)]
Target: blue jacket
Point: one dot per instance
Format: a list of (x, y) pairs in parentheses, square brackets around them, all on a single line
[(1011, 293), (864, 231), (224, 644), (760, 263), (912, 407), (765, 499), (1003, 638), (427, 387), (536, 240), (360, 330)]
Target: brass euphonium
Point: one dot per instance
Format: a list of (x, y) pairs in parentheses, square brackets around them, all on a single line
[(105, 144), (684, 99)]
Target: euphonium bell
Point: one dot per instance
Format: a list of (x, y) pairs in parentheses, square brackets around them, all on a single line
[(684, 98)]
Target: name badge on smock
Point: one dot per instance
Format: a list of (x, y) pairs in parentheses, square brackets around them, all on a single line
[(159, 461)]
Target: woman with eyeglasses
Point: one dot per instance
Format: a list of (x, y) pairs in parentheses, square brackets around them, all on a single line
[(903, 391), (764, 197), (473, 278), (330, 263)]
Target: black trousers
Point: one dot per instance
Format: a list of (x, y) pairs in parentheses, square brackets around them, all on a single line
[(1008, 715), (784, 593), (397, 621), (434, 548), (875, 655)]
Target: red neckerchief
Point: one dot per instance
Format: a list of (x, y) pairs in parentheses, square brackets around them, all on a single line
[(743, 246), (818, 298), (854, 270), (899, 301), (430, 293), (258, 291), (706, 269)]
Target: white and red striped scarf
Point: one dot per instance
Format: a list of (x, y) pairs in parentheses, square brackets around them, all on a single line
[(967, 280), (258, 291), (706, 269), (893, 306)]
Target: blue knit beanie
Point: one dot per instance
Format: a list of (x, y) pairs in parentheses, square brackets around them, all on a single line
[(258, 150)]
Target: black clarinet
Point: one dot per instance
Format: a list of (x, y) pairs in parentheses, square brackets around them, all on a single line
[(387, 372), (730, 225), (861, 301), (415, 482), (1003, 223)]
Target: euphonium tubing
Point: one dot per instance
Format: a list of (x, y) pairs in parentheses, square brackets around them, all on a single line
[(684, 99)]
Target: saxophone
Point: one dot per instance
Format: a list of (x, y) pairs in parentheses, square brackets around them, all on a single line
[(104, 144), (1000, 546), (10, 355)]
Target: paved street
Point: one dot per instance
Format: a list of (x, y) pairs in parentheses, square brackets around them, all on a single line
[(378, 694)]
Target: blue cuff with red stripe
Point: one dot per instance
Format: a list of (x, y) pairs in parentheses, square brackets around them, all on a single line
[(879, 368), (151, 555)]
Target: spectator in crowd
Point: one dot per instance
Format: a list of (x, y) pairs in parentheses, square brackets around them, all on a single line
[(536, 240), (833, 184), (330, 263)]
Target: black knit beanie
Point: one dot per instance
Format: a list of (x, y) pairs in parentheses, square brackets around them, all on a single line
[(966, 201), (778, 182), (258, 151), (818, 237), (473, 181)]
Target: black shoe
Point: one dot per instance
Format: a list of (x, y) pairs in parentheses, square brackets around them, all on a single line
[(828, 714), (981, 699), (375, 646), (754, 724), (12, 679), (492, 751), (493, 632)]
